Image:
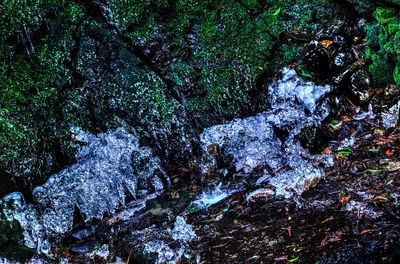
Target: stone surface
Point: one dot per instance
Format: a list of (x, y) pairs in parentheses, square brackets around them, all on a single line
[(110, 166), (390, 117), (183, 231), (269, 138)]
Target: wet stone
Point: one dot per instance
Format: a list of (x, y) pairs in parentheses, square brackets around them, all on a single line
[(15, 208), (361, 85), (317, 59), (390, 93), (389, 165), (311, 138), (254, 141), (182, 231), (212, 196), (390, 117), (356, 83), (5, 261), (98, 182), (84, 233), (84, 248), (341, 58), (110, 166), (160, 244), (100, 252)]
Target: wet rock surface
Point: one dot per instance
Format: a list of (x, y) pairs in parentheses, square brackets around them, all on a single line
[(111, 167), (268, 141)]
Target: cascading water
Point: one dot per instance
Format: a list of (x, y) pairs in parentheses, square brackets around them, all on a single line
[(113, 165), (109, 166), (253, 142)]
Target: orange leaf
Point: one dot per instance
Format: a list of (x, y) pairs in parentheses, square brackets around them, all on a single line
[(326, 43), (327, 151), (389, 152), (346, 118), (345, 199), (366, 231)]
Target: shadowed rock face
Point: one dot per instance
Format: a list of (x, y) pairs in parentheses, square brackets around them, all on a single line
[(268, 139), (109, 166)]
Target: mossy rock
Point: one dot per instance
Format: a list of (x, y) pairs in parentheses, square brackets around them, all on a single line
[(11, 239)]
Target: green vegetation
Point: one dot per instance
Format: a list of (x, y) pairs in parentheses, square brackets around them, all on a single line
[(32, 74), (232, 42), (345, 151), (383, 38)]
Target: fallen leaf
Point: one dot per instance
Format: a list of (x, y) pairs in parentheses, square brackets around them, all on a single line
[(326, 43), (277, 11), (330, 238), (346, 118), (380, 198), (389, 152), (366, 231), (282, 258), (345, 199), (289, 229), (328, 219), (386, 140), (374, 150), (327, 151), (218, 218), (390, 182), (73, 137)]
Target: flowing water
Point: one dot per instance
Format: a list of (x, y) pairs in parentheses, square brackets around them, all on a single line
[(112, 167)]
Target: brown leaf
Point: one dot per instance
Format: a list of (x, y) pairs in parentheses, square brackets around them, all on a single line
[(289, 229), (381, 198), (386, 140)]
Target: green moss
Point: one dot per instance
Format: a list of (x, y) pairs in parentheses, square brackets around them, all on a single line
[(383, 38), (20, 14), (396, 74), (31, 88), (11, 238)]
